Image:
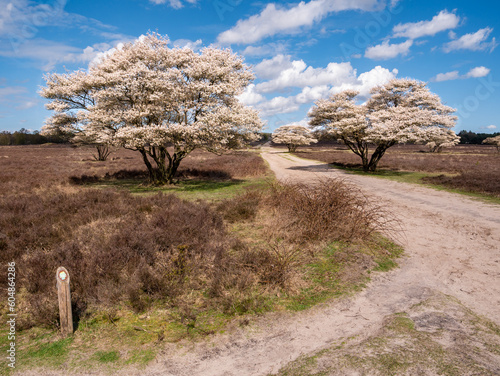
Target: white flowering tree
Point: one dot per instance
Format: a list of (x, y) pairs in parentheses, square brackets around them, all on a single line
[(71, 94), (293, 136), (439, 138), (493, 141), (161, 102), (401, 111)]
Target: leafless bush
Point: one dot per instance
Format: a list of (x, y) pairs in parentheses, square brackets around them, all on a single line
[(329, 210)]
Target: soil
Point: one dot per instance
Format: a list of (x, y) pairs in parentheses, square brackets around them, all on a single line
[(452, 250)]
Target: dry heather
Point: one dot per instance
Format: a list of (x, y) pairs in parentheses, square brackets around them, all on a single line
[(41, 166), (476, 168), (158, 249)]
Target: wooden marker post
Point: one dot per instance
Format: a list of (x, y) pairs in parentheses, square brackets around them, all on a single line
[(63, 291)]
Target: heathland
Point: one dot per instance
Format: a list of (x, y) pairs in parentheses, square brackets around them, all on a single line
[(154, 264), (473, 169)]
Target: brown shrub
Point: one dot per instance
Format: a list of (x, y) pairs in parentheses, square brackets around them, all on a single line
[(330, 210), (112, 243), (241, 207), (471, 181)]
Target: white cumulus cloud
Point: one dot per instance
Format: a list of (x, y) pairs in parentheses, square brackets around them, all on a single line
[(441, 22), (250, 97), (478, 72), (454, 75), (176, 4), (297, 74), (275, 19), (194, 45), (314, 83), (474, 41), (272, 68), (386, 50)]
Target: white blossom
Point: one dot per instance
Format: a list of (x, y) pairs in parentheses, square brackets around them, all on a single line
[(493, 141), (401, 111), (146, 96), (293, 135)]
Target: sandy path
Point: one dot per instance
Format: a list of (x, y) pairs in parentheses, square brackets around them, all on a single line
[(452, 245)]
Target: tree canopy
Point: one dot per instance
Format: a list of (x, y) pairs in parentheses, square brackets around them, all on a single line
[(293, 135), (162, 102), (401, 111), (493, 141)]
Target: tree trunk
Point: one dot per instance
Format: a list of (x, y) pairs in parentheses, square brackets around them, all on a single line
[(172, 169), (151, 170), (377, 156), (166, 165), (360, 148), (102, 152)]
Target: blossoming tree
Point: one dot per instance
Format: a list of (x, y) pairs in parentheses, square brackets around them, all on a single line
[(439, 138), (293, 136), (161, 102), (401, 111), (493, 141), (71, 93)]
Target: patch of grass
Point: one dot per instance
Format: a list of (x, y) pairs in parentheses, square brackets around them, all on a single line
[(141, 357), (193, 189), (107, 356), (343, 268), (304, 366), (385, 265), (401, 323), (45, 354)]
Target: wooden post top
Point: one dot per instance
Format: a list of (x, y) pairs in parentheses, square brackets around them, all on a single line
[(62, 275)]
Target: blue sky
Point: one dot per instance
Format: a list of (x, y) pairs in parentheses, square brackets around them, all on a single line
[(300, 51)]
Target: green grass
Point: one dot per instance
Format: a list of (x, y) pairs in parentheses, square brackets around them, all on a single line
[(324, 276), (40, 354), (188, 189), (210, 190), (107, 356)]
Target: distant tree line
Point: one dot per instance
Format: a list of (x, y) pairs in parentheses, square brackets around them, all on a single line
[(468, 137), (26, 137)]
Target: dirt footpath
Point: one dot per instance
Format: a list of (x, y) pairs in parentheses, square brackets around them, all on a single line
[(452, 248)]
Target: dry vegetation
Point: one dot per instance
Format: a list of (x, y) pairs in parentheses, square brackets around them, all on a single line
[(287, 246), (472, 168)]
